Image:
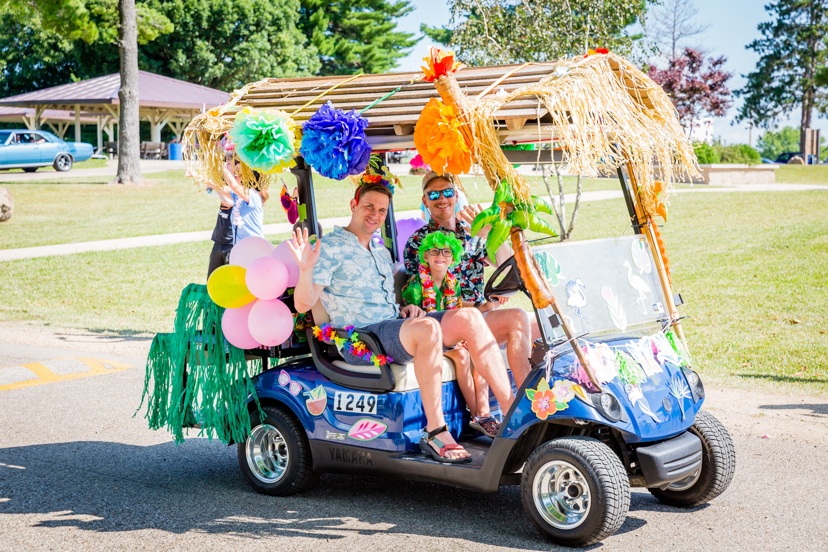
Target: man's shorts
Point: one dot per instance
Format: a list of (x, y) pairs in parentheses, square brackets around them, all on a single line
[(388, 334)]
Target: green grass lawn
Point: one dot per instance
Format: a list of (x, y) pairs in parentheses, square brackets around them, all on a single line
[(752, 267), (84, 209), (802, 174)]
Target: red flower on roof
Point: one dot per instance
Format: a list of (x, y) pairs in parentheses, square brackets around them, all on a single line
[(440, 63)]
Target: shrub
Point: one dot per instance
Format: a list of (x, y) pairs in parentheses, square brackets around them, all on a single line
[(717, 152), (740, 153), (706, 153)]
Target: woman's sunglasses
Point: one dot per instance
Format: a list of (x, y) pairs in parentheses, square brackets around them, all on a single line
[(434, 195)]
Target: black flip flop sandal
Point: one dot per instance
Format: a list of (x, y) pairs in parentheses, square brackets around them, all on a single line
[(431, 436)]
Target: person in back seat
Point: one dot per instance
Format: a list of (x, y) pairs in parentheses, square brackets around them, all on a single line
[(352, 275), (511, 327)]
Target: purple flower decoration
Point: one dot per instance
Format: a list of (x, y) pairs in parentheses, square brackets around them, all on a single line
[(333, 142)]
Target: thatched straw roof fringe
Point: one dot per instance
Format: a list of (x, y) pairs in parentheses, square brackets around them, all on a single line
[(597, 107)]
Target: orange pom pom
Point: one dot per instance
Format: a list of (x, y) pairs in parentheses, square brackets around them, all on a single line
[(439, 140)]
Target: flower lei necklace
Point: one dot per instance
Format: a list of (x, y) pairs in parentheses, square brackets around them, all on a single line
[(449, 300), (327, 334)]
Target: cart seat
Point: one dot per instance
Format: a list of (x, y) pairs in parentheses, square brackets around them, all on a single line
[(403, 373)]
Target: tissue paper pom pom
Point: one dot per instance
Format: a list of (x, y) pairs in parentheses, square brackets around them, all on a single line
[(266, 141), (333, 142), (439, 140), (439, 63)]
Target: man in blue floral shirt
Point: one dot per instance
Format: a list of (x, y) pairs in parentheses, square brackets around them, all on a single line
[(511, 327), (352, 277)]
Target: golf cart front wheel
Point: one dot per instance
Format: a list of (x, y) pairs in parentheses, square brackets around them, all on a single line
[(275, 458), (575, 491), (716, 472)]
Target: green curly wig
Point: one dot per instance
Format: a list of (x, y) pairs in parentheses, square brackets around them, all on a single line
[(440, 240)]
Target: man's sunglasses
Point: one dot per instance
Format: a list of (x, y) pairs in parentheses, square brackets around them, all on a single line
[(434, 195), (444, 252)]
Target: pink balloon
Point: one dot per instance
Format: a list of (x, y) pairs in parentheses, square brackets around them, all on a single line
[(249, 249), (284, 254), (406, 227), (234, 326), (266, 278), (270, 322)]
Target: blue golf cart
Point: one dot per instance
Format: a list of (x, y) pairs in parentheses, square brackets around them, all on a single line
[(575, 450), (612, 401)]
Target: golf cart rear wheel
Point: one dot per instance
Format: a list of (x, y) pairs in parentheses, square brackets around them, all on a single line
[(63, 162), (275, 458), (575, 491), (717, 469)]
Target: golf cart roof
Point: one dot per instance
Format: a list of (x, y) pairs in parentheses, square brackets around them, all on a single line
[(391, 123)]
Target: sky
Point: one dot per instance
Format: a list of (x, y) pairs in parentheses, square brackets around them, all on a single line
[(733, 25)]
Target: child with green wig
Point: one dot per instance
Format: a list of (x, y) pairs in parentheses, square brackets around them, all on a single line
[(435, 287)]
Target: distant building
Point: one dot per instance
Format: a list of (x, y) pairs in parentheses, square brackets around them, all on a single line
[(702, 131)]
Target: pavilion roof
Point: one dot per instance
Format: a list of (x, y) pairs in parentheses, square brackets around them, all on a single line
[(154, 91)]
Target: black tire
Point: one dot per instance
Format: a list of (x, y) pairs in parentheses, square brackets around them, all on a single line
[(63, 162), (30, 169), (599, 468), (718, 465), (297, 474)]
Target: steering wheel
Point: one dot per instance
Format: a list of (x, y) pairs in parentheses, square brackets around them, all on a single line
[(505, 281)]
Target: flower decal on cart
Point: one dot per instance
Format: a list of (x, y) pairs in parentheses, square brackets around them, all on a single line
[(563, 392), (546, 401)]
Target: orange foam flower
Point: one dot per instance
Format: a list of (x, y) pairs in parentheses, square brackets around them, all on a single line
[(440, 63), (439, 140)]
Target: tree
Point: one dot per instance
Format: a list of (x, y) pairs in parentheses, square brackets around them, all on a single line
[(91, 20), (356, 36), (672, 23), (772, 143), (225, 44), (129, 134), (793, 67), (697, 90), (217, 44), (489, 32)]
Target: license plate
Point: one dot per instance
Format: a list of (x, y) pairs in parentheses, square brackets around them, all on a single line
[(364, 403)]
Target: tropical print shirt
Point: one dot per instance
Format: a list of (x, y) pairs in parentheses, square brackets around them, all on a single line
[(470, 269), (359, 284)]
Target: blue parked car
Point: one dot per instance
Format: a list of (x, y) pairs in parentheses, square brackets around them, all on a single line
[(32, 149)]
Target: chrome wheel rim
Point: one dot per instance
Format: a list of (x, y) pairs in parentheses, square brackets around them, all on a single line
[(63, 162), (686, 483), (561, 494), (267, 453)]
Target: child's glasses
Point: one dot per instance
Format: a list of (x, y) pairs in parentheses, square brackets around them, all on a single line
[(444, 252), (434, 195)]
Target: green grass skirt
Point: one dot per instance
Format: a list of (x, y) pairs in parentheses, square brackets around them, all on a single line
[(194, 377)]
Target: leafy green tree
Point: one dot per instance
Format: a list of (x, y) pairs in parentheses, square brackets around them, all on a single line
[(356, 36), (489, 32), (93, 20), (227, 43), (772, 143), (792, 69)]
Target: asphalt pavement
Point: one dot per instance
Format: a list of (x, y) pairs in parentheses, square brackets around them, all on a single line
[(79, 470)]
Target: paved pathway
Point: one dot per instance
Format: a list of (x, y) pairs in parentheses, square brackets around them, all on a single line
[(284, 227)]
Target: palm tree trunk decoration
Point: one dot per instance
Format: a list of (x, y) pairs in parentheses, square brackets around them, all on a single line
[(509, 215)]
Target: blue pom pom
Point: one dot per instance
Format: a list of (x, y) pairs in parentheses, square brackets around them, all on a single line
[(333, 142)]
